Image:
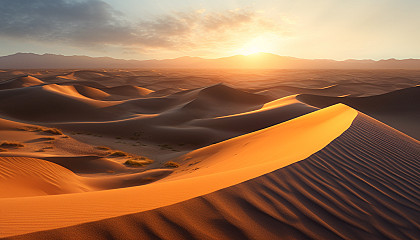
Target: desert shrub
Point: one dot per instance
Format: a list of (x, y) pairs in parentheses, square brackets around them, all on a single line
[(138, 161), (31, 128), (171, 164), (11, 144), (103, 148), (134, 163), (118, 154), (53, 131)]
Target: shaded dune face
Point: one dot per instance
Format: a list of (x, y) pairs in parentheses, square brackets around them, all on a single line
[(51, 103), (363, 185), (261, 155), (201, 116), (219, 166), (20, 82), (395, 108)]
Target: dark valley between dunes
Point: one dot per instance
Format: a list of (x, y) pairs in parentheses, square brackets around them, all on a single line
[(209, 120), (209, 154)]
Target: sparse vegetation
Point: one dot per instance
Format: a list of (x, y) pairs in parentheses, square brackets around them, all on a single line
[(103, 148), (11, 144), (134, 163), (171, 164), (118, 154), (138, 162), (53, 131)]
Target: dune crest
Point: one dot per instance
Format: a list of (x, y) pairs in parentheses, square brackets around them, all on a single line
[(222, 172), (33, 177), (20, 82), (209, 154), (333, 194)]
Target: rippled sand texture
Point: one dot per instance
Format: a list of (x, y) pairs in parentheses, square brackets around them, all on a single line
[(254, 154)]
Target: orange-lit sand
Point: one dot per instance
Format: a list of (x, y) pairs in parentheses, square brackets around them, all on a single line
[(221, 165), (259, 157)]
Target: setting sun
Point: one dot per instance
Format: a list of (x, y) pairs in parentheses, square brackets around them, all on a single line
[(222, 119), (265, 43)]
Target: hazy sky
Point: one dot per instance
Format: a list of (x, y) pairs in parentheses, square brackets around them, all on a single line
[(145, 29)]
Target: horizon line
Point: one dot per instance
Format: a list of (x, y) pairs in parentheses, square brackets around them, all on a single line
[(188, 56)]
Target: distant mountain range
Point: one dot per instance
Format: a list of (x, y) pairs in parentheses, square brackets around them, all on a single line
[(258, 60)]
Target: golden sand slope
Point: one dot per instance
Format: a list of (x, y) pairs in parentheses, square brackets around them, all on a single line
[(363, 185), (21, 176), (221, 165)]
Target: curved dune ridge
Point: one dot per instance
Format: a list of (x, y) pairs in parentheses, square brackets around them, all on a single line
[(252, 154), (20, 82), (395, 108), (51, 103), (21, 176), (233, 164), (195, 116), (91, 92), (128, 90), (363, 185), (27, 176)]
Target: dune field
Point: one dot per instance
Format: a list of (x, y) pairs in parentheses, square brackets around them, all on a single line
[(209, 154)]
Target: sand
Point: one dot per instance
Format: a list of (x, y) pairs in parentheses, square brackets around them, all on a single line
[(261, 155)]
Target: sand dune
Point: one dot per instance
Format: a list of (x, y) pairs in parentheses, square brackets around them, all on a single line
[(20, 82), (32, 177), (129, 90), (261, 154), (195, 117), (181, 188), (91, 92), (335, 90), (271, 113), (51, 103), (312, 179), (395, 108)]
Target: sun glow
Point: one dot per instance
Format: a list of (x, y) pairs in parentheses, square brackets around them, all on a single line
[(265, 43)]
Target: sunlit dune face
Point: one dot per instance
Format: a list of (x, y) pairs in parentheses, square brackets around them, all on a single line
[(259, 44)]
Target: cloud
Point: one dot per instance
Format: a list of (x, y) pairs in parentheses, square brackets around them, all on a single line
[(61, 20), (95, 23)]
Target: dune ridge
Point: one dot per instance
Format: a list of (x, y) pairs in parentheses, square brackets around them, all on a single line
[(394, 108), (20, 82), (30, 176), (293, 209), (209, 154), (222, 172), (371, 198)]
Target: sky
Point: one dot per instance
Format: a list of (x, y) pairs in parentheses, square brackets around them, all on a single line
[(160, 29)]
